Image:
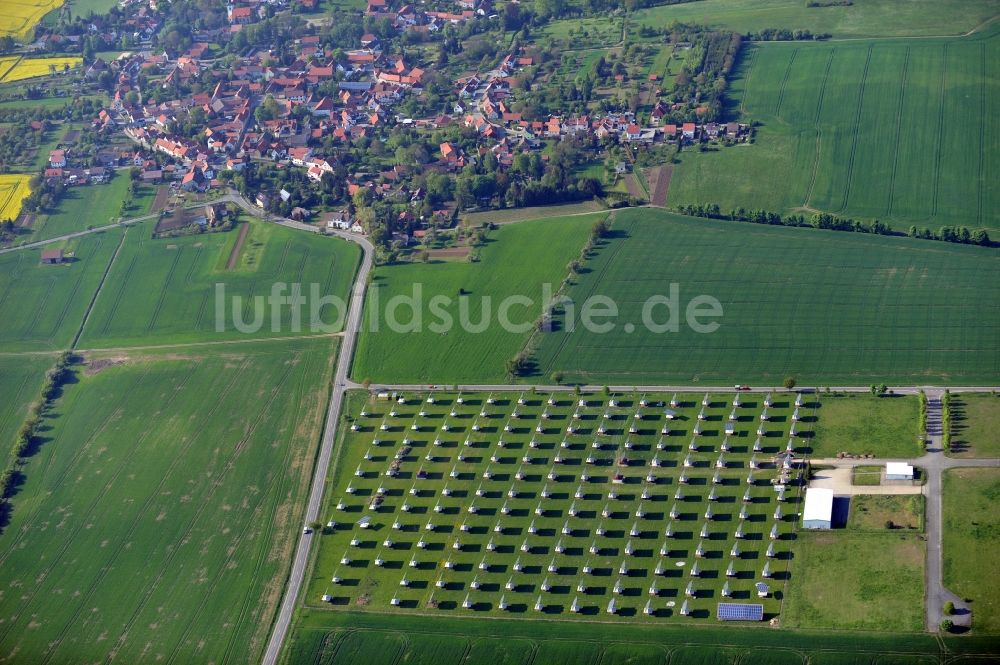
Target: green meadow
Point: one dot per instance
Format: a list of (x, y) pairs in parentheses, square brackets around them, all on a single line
[(857, 581), (160, 510), (971, 539), (516, 260), (164, 290), (92, 205), (905, 131), (829, 308), (861, 18)]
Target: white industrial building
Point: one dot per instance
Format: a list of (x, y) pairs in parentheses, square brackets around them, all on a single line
[(818, 511), (898, 471)]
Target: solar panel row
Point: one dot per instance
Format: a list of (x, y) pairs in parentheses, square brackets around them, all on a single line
[(740, 612)]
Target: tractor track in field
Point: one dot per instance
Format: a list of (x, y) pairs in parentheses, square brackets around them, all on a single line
[(746, 85), (938, 142), (856, 133), (899, 127), (163, 290), (784, 80), (819, 130), (981, 190)]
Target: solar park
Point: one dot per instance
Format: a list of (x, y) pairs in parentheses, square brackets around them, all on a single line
[(645, 506)]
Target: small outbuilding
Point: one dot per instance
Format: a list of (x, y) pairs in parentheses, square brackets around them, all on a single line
[(898, 471), (52, 256), (818, 511)]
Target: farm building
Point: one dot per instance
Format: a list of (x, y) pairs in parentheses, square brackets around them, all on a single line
[(898, 471), (818, 511), (52, 256)]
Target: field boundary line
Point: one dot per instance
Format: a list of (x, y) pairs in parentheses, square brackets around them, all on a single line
[(562, 344), (938, 141), (819, 129), (184, 345), (97, 292), (899, 127), (856, 133), (69, 301)]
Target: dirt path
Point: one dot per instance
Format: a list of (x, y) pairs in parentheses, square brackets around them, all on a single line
[(234, 255), (160, 200), (634, 188), (659, 183)]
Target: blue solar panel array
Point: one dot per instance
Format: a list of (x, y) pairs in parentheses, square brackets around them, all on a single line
[(740, 612)]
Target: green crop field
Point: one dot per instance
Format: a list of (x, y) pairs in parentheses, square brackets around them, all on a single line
[(905, 131), (971, 541), (636, 508), (975, 423), (20, 385), (866, 425), (164, 291), (319, 634), (861, 18), (42, 306), (827, 307), (516, 261), (858, 581), (159, 515)]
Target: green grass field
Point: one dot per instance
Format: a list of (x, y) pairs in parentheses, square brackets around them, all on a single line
[(862, 18), (80, 207), (862, 424), (971, 541), (975, 423), (857, 581), (160, 512), (517, 260), (542, 496), (901, 130), (534, 212), (870, 512), (42, 306), (866, 475), (827, 307), (164, 291)]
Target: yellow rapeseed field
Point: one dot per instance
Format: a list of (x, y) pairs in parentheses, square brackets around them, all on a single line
[(30, 68), (6, 64), (13, 190), (19, 17)]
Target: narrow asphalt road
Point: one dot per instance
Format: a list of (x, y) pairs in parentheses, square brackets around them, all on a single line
[(340, 385)]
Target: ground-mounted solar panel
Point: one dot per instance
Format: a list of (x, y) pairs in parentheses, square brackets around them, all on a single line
[(740, 612)]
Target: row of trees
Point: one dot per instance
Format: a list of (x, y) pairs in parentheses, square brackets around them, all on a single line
[(823, 220), (24, 441)]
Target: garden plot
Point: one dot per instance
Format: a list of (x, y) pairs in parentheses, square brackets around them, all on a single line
[(612, 506)]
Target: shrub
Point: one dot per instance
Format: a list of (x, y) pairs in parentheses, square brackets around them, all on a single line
[(789, 382), (949, 608), (947, 625)]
